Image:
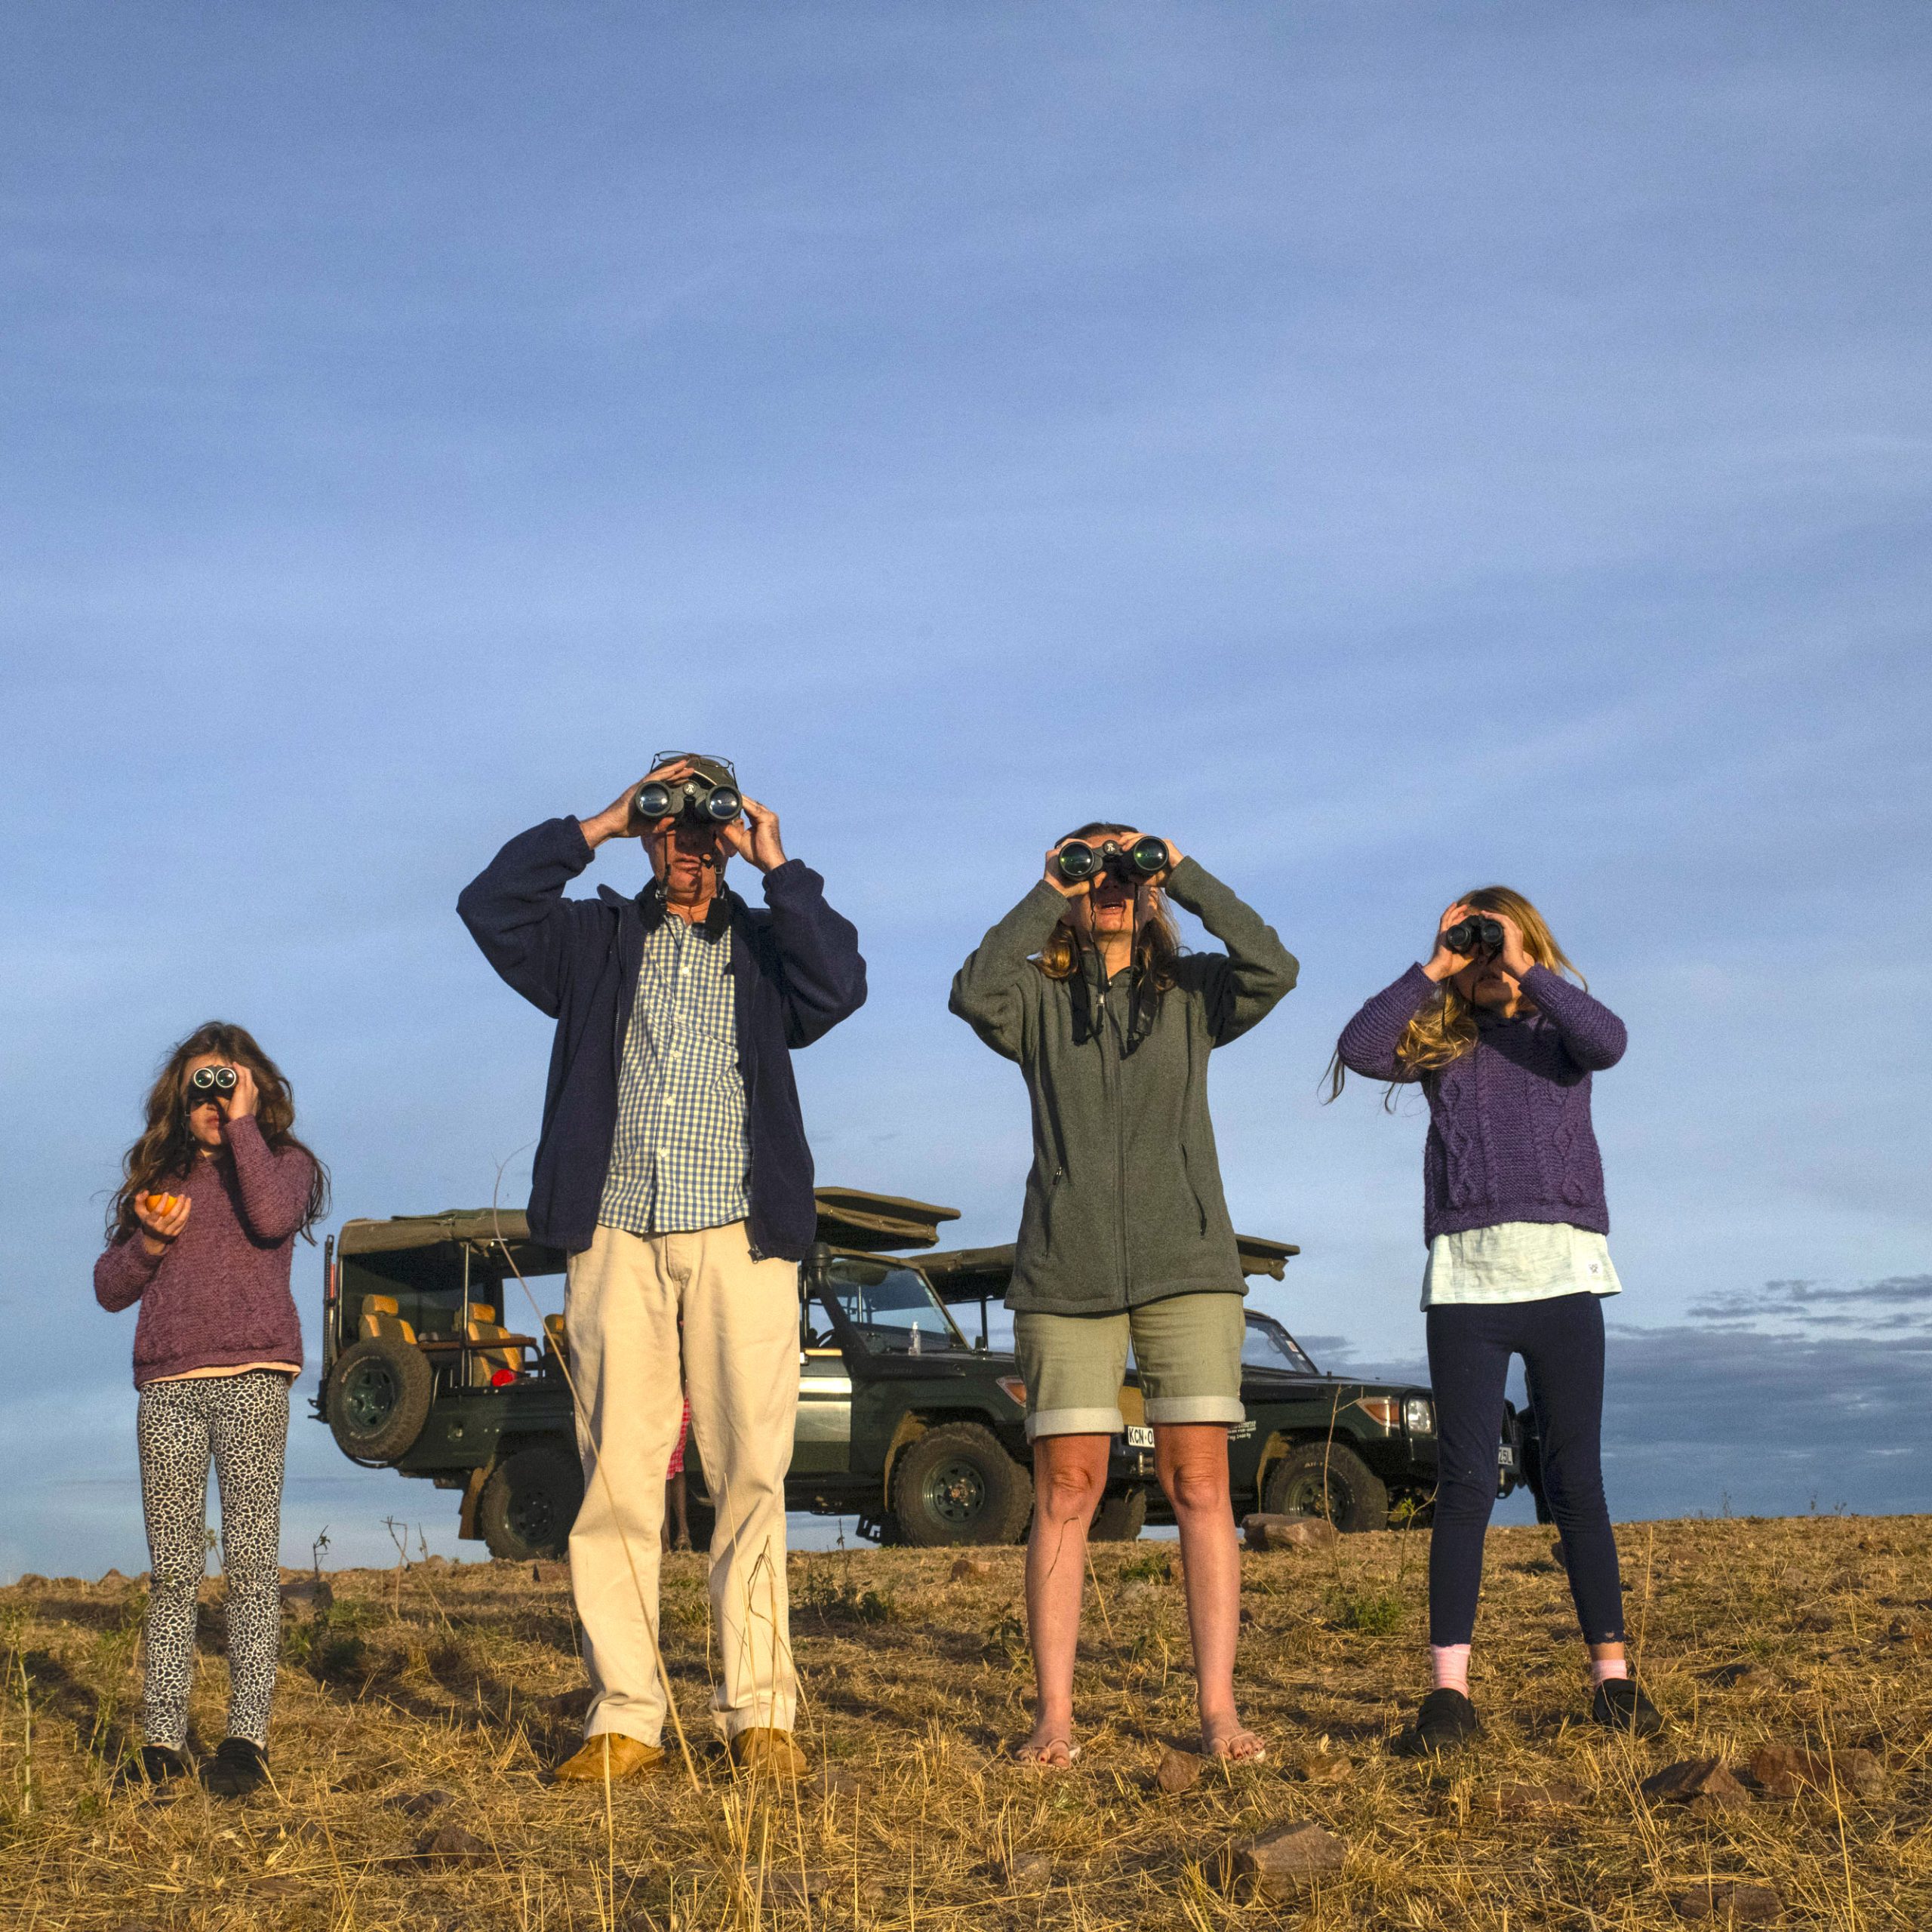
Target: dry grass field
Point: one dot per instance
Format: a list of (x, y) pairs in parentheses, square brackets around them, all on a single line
[(418, 1712)]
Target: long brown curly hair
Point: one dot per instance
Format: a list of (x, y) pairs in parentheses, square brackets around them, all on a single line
[(1445, 1029), (1156, 946), (166, 1150)]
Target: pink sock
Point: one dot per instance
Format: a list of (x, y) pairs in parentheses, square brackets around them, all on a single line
[(1602, 1670), (1450, 1664)]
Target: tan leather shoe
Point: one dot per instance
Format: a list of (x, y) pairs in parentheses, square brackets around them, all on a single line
[(629, 1758), (766, 1753)]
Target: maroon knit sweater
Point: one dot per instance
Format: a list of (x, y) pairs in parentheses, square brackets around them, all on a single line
[(219, 1295)]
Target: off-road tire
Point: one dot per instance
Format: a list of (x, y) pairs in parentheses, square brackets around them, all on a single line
[(379, 1396), (1121, 1517), (956, 1485), (1357, 1498), (530, 1501)]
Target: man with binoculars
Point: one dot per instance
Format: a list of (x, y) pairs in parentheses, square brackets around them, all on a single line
[(674, 1171), (1125, 1237)]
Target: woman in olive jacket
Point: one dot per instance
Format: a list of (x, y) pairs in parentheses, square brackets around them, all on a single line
[(1125, 1235)]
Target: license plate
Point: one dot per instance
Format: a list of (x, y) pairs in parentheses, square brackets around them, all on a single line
[(1505, 1458), (1140, 1436)]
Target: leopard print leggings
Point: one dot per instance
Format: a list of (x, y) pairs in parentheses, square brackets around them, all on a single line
[(241, 1423)]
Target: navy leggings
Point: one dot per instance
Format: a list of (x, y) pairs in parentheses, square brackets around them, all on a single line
[(1561, 1341)]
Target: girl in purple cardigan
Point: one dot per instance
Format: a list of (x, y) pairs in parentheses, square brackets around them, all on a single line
[(1503, 1047), (200, 1233)]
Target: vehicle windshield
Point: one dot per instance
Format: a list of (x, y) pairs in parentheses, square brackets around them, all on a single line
[(893, 1307), (1268, 1345)]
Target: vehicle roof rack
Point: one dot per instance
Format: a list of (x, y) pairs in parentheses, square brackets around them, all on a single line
[(965, 1274)]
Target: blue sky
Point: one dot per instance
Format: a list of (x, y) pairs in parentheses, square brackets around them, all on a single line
[(1387, 450)]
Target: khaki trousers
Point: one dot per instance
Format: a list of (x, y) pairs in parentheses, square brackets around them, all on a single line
[(627, 1294)]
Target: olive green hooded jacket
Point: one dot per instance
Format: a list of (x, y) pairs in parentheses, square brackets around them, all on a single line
[(1124, 1204)]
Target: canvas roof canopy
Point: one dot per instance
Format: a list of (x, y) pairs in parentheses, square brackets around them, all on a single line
[(965, 1274), (847, 1217)]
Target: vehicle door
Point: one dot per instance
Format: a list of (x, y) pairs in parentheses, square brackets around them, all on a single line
[(821, 1441)]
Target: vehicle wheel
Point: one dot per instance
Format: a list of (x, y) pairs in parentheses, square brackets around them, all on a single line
[(530, 1501), (378, 1397), (1356, 1498), (1121, 1517), (956, 1484)]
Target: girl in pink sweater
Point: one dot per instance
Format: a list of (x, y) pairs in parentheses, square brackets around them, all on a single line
[(200, 1233)]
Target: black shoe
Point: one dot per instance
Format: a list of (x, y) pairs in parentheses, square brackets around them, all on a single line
[(152, 1764), (1619, 1704), (1446, 1722), (237, 1767)]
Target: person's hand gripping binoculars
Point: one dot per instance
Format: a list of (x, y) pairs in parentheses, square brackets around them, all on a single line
[(1466, 937), (677, 799)]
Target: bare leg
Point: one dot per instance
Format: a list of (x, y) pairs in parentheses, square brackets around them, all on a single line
[(674, 1495), (1069, 1472), (1193, 1460)]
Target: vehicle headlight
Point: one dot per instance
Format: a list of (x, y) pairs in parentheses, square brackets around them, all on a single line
[(1419, 1416), (1014, 1388)]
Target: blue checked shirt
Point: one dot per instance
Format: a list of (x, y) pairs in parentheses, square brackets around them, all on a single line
[(681, 1159)]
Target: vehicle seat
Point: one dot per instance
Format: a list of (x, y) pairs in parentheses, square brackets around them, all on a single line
[(560, 1340), (379, 1318), (484, 1363), (481, 1311)]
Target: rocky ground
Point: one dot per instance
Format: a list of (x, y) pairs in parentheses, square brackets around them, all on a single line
[(420, 1706)]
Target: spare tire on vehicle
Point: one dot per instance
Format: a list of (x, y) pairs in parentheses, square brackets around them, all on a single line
[(378, 1399), (956, 1485), (1121, 1517), (530, 1501)]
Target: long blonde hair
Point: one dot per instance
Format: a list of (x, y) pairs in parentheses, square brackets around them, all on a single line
[(1445, 1029), (1156, 946)]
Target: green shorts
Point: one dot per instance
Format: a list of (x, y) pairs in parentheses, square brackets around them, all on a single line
[(1188, 1349)]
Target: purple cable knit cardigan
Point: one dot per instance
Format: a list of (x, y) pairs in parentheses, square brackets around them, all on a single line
[(218, 1297), (1509, 1133)]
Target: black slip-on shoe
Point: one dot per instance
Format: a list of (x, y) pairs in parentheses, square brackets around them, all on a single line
[(151, 1764), (238, 1767), (1618, 1704), (1446, 1722)]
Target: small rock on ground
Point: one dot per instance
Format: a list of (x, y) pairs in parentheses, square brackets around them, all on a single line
[(452, 1845), (838, 1781), (1268, 1531), (1694, 1779), (1323, 1767), (419, 1804), (1025, 1868), (1284, 1857), (1783, 1771), (970, 1569), (1729, 1901), (1540, 1801), (1178, 1771)]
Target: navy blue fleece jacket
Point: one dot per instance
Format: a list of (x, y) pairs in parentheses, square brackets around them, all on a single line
[(796, 973)]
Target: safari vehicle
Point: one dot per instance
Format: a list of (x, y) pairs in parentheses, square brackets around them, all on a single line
[(1362, 1454), (903, 1422)]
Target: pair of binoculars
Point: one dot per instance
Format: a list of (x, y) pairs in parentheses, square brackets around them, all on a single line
[(208, 1084), (1146, 858), (695, 799), (1475, 937)]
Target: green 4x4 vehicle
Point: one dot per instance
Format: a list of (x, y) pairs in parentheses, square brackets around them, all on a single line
[(1361, 1453), (902, 1421)]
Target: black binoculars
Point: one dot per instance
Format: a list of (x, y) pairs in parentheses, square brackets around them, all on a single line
[(697, 798), (208, 1084), (1146, 858), (1475, 937)]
